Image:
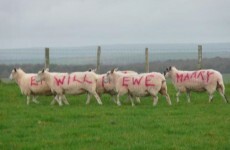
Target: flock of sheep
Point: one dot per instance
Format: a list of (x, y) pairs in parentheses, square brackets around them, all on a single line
[(117, 83)]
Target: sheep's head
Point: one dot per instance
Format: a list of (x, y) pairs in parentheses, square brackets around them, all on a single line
[(168, 71), (109, 75), (41, 75), (13, 74), (92, 70)]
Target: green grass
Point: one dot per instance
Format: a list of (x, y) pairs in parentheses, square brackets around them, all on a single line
[(198, 125)]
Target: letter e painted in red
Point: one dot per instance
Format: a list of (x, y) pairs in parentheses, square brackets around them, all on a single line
[(33, 81), (125, 81), (148, 79)]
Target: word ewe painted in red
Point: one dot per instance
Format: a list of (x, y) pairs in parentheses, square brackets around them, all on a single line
[(137, 81)]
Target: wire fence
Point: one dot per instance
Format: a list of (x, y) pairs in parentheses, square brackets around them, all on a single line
[(133, 57)]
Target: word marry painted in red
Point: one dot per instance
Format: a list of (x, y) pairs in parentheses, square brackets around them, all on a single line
[(201, 75)]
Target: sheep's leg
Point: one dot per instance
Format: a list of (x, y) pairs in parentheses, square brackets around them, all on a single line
[(55, 99), (60, 100), (113, 98), (127, 99), (164, 93), (210, 97), (177, 96), (222, 95), (65, 100), (155, 100), (138, 100), (168, 98), (34, 99), (97, 98), (88, 98), (28, 100), (131, 99), (188, 96), (118, 100)]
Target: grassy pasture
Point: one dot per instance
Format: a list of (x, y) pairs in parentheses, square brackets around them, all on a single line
[(198, 125)]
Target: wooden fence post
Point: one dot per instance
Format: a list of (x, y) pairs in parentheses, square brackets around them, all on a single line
[(199, 64), (47, 57), (146, 59), (98, 58)]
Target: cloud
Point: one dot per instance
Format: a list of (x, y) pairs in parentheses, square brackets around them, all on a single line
[(26, 23)]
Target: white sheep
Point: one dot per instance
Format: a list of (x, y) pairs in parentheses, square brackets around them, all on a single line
[(107, 87), (28, 85), (199, 81), (138, 85), (75, 83)]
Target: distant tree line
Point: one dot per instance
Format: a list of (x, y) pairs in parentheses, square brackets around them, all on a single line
[(220, 64)]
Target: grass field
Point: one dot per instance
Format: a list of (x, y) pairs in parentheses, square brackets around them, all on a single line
[(198, 125)]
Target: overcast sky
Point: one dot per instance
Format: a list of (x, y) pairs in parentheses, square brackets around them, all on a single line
[(55, 23)]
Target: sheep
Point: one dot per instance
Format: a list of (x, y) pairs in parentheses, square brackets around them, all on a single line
[(107, 87), (28, 85), (198, 81), (138, 85), (75, 83)]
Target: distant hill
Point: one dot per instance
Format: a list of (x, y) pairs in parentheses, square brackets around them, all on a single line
[(119, 54), (218, 63)]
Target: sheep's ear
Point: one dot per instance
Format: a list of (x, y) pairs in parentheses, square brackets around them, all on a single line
[(90, 69), (116, 69), (167, 69), (47, 69), (112, 71), (15, 70), (170, 68), (43, 70)]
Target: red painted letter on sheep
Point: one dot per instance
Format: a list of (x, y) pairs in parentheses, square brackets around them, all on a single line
[(87, 81), (125, 81), (59, 81), (148, 79), (209, 74), (137, 80), (33, 81), (75, 79), (179, 77)]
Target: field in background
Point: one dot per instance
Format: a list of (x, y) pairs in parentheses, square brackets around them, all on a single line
[(198, 125), (226, 78)]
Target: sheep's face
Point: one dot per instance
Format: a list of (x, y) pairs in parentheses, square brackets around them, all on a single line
[(109, 76), (41, 75), (168, 72), (13, 74)]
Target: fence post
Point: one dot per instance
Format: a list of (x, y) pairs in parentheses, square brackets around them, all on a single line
[(98, 58), (47, 57), (146, 59), (199, 64)]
